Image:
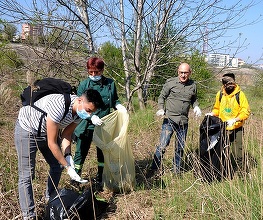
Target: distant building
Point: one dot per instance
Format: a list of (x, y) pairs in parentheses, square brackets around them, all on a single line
[(259, 66), (223, 60), (31, 32), (218, 59), (233, 62), (241, 62)]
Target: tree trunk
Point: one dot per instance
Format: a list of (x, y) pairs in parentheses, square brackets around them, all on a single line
[(82, 7)]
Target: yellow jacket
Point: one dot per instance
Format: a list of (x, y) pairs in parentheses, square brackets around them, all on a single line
[(228, 107)]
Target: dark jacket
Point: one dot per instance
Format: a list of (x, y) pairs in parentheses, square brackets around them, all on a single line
[(107, 89)]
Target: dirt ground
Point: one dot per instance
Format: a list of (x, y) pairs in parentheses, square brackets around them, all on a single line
[(133, 205)]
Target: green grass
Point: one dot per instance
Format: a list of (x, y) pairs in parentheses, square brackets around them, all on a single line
[(141, 121), (170, 197), (186, 197)]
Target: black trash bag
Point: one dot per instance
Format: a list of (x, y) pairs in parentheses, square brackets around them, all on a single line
[(74, 206), (211, 129), (86, 206), (213, 149), (54, 209)]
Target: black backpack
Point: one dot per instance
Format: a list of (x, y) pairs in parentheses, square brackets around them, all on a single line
[(44, 87), (236, 95)]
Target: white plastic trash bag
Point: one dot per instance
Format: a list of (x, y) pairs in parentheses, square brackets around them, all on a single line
[(112, 138)]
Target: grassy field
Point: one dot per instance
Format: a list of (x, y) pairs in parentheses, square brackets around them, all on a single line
[(169, 197)]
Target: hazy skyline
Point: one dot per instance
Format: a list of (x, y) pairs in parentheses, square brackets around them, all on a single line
[(251, 35)]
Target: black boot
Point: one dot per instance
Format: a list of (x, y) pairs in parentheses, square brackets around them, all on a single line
[(97, 181), (155, 169), (99, 174)]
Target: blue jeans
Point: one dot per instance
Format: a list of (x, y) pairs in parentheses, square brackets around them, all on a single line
[(27, 146), (168, 128)]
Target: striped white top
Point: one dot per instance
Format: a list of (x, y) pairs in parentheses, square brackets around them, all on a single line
[(54, 106)]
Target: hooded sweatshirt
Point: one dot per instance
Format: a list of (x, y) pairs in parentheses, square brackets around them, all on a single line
[(229, 108)]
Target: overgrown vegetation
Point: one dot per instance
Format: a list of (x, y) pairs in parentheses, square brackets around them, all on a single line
[(257, 90), (7, 31), (9, 60), (169, 197)]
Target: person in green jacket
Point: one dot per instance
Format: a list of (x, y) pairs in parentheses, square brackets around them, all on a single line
[(176, 97), (84, 131)]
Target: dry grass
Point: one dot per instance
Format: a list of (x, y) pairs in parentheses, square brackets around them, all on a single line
[(170, 197)]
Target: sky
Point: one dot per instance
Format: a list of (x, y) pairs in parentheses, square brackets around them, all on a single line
[(251, 34)]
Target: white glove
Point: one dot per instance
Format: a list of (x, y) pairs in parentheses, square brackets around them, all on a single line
[(121, 108), (209, 114), (197, 111), (74, 176), (231, 122), (70, 161), (160, 112), (96, 120)]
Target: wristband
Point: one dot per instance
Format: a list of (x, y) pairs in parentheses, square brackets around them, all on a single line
[(67, 154)]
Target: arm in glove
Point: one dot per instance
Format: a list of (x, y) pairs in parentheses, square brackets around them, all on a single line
[(197, 111), (231, 122), (121, 108), (96, 120), (160, 112), (70, 161), (74, 176)]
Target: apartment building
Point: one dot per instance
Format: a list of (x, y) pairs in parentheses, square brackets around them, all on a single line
[(223, 60), (31, 31)]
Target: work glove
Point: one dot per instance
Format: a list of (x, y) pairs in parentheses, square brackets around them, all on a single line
[(74, 176), (70, 161), (231, 122), (160, 112), (96, 120), (197, 111), (121, 108), (209, 114)]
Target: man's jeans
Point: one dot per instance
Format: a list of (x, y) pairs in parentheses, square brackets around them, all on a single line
[(168, 128), (27, 146)]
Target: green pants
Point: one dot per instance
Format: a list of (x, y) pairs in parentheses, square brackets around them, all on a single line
[(81, 152)]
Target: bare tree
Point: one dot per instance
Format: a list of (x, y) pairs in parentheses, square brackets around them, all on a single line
[(139, 28), (83, 17), (197, 22), (66, 38)]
